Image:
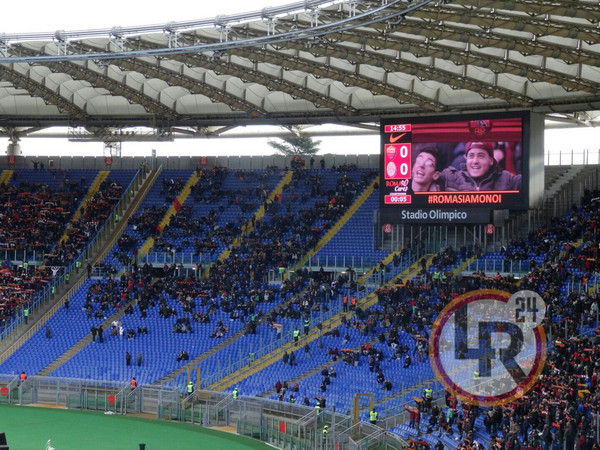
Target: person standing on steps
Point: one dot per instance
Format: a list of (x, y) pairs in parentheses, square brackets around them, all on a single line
[(373, 416)]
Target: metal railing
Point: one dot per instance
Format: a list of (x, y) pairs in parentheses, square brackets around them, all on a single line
[(504, 266), (359, 263), (74, 393), (185, 258), (20, 255), (364, 436)]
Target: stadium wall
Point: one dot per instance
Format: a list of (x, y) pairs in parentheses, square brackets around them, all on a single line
[(186, 162)]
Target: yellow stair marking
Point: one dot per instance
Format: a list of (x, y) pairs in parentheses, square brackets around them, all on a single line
[(278, 190), (183, 195), (466, 264), (363, 303), (247, 227), (388, 259), (406, 275), (340, 223), (93, 190), (6, 176)]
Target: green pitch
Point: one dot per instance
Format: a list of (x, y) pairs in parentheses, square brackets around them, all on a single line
[(29, 428)]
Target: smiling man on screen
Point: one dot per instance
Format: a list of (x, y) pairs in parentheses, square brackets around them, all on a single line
[(480, 172)]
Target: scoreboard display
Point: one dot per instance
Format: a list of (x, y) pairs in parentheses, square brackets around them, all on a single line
[(445, 169)]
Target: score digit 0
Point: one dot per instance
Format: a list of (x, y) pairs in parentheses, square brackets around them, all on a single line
[(404, 161)]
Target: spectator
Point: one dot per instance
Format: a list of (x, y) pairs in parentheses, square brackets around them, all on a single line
[(482, 172)]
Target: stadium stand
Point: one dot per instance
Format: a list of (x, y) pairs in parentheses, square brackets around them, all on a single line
[(236, 322)]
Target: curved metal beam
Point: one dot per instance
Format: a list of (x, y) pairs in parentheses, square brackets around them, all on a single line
[(289, 8), (462, 57), (36, 89), (504, 19), (253, 75), (79, 72), (193, 85), (359, 56), (384, 12), (348, 78), (490, 38), (565, 8)]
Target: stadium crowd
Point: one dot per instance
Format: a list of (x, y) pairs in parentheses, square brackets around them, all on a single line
[(34, 217), (559, 412)]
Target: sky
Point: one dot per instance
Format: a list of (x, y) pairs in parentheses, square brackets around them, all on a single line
[(70, 15)]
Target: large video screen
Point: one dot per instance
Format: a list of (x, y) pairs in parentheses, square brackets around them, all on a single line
[(436, 167)]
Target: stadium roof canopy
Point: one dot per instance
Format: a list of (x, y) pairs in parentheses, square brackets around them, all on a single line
[(310, 62)]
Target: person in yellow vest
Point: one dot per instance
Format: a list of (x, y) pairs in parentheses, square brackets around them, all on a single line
[(436, 277), (190, 387), (428, 397), (373, 416), (318, 408), (235, 393), (296, 335), (476, 375), (325, 430)]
